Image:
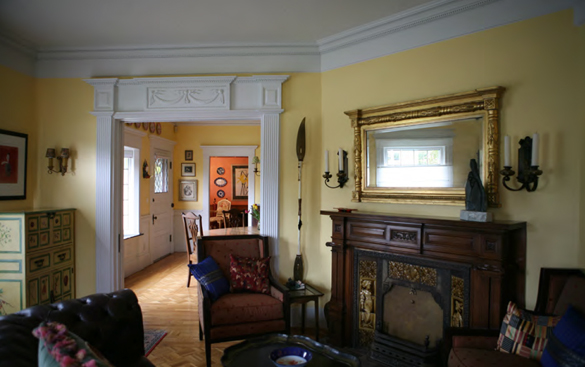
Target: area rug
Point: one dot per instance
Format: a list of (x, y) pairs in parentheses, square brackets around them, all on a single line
[(152, 338)]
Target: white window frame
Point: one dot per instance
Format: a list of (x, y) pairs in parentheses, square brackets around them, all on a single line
[(441, 148), (132, 226)]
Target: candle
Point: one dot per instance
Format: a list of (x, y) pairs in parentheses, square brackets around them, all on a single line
[(507, 151), (340, 159), (534, 150), (326, 160)]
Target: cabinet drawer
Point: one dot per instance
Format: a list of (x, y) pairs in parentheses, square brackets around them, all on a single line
[(38, 262), (372, 232), (451, 242), (62, 256)]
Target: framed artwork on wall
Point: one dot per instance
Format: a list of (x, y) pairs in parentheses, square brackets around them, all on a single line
[(188, 169), (188, 190), (13, 155), (188, 155), (240, 182)]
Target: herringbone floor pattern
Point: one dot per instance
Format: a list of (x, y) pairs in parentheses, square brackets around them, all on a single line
[(168, 304)]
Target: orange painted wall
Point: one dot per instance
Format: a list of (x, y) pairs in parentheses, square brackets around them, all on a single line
[(226, 163)]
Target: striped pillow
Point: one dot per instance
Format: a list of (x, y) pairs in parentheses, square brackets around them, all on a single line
[(524, 333), (209, 275)]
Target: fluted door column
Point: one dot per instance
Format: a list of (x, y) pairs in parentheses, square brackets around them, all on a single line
[(109, 276), (269, 176)]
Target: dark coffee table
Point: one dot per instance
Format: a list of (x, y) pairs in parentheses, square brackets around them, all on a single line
[(255, 352)]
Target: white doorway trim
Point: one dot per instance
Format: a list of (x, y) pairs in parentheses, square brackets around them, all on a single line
[(227, 151), (191, 99)]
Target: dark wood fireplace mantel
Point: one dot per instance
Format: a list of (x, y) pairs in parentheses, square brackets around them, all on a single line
[(494, 251)]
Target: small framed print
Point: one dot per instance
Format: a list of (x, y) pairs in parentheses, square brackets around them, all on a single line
[(188, 155), (152, 127), (145, 126), (158, 128), (188, 190), (188, 169)]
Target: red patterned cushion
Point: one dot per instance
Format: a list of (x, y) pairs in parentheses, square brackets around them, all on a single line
[(248, 274), (524, 333)]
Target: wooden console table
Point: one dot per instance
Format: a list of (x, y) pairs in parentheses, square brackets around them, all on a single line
[(494, 251)]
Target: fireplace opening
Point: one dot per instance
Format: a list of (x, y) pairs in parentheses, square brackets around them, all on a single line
[(412, 315), (403, 305)]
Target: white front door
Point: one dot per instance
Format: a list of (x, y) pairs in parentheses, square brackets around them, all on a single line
[(161, 207)]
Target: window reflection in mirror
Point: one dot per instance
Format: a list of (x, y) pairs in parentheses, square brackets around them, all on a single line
[(424, 155)]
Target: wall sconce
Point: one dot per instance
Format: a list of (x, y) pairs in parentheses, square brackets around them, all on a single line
[(528, 171), (62, 158), (256, 161), (342, 169)]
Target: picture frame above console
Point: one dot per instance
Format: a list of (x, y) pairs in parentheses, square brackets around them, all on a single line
[(418, 152)]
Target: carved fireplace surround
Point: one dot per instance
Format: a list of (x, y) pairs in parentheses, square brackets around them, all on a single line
[(482, 262)]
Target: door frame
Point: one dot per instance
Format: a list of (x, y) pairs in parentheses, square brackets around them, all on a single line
[(227, 151), (257, 98)]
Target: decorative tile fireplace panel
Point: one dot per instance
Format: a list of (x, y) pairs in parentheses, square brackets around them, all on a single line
[(409, 300), (374, 255)]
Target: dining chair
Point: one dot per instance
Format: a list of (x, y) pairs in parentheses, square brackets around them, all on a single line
[(222, 205), (192, 231), (233, 218)]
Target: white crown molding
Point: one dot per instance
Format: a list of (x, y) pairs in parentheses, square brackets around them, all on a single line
[(450, 19), (423, 25)]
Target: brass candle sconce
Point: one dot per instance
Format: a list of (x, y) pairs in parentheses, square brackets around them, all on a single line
[(62, 160)]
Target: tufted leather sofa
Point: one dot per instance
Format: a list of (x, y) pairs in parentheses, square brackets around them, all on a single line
[(111, 322)]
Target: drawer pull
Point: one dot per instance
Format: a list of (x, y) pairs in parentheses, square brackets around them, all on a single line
[(39, 262), (61, 256)]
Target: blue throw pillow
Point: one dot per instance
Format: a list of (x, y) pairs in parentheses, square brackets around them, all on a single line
[(209, 275), (566, 345)]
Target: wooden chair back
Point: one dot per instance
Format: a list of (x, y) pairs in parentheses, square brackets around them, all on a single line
[(234, 218), (193, 229)]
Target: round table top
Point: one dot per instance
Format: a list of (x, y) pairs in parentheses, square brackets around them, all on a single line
[(257, 351)]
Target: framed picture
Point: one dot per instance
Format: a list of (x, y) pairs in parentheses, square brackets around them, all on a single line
[(188, 169), (188, 190), (188, 155), (13, 155), (240, 182)]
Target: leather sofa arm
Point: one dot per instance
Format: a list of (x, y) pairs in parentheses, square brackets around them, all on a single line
[(112, 323)]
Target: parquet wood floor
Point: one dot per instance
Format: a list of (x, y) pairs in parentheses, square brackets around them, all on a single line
[(168, 304)]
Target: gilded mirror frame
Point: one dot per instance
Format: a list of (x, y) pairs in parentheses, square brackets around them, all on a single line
[(480, 103)]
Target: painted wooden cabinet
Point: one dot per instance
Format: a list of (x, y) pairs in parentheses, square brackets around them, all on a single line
[(37, 257)]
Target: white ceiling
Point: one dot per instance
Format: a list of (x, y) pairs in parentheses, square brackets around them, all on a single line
[(75, 24)]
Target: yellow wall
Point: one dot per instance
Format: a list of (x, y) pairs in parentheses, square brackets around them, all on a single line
[(193, 137), (537, 61), (301, 97), (63, 117), (17, 109)]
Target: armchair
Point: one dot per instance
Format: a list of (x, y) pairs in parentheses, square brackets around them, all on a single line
[(474, 347), (239, 315)]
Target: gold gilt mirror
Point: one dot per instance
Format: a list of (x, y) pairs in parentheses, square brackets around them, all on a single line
[(419, 152)]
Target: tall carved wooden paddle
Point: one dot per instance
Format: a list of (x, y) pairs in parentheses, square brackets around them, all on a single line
[(298, 267)]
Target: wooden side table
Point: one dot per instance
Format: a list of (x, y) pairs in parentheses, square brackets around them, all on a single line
[(303, 296)]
